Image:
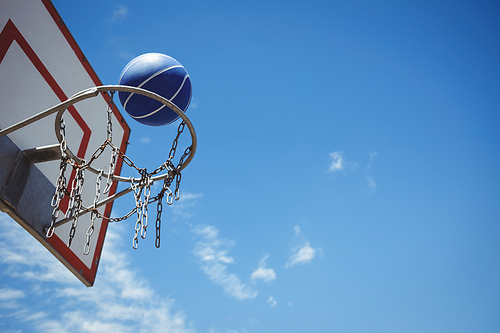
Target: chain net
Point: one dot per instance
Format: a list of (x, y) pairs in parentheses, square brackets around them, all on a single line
[(141, 187)]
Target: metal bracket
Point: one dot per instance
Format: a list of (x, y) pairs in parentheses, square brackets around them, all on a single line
[(43, 154), (23, 188)]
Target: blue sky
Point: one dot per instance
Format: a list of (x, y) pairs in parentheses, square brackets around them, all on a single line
[(347, 177)]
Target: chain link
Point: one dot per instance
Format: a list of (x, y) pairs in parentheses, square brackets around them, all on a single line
[(116, 219), (58, 195), (138, 206), (180, 129), (60, 182), (109, 125), (75, 202), (147, 194), (109, 139), (159, 209), (111, 170), (93, 213)]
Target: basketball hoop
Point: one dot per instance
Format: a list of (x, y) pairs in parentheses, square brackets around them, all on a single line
[(140, 186)]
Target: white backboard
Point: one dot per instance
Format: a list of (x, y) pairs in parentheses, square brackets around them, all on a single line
[(41, 65)]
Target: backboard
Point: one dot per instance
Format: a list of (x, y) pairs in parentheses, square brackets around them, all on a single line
[(41, 65)]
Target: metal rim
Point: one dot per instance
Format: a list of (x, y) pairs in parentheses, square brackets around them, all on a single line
[(93, 92)]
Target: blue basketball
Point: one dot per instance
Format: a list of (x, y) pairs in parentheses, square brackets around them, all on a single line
[(162, 75)]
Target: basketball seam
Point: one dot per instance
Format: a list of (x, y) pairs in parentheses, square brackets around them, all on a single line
[(129, 65), (139, 58), (149, 114), (147, 80), (180, 88), (161, 107)]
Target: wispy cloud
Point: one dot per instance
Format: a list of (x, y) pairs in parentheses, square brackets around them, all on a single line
[(145, 140), (183, 207), (272, 302), (302, 252), (120, 301), (337, 163), (212, 253), (263, 273), (372, 157), (9, 297), (371, 184), (120, 47), (10, 294), (297, 231), (227, 330), (119, 14), (194, 104)]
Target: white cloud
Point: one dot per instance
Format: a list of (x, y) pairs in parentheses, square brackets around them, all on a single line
[(119, 14), (302, 252), (9, 297), (194, 103), (212, 253), (26, 259), (304, 255), (9, 294), (263, 273), (182, 207), (371, 184), (337, 161), (372, 157), (272, 302), (120, 301), (145, 140), (190, 196), (340, 163), (297, 230), (214, 329), (120, 47)]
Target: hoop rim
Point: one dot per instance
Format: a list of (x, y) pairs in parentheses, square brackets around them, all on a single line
[(93, 92)]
